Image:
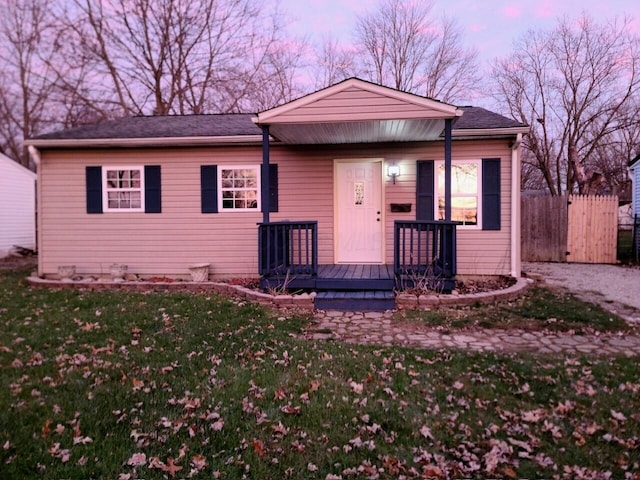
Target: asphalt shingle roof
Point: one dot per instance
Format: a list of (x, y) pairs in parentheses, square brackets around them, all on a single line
[(236, 124), (478, 117), (162, 127)]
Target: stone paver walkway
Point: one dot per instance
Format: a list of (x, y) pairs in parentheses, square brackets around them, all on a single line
[(377, 328)]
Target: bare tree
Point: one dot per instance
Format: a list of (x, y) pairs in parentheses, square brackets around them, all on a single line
[(27, 45), (403, 47), (182, 56), (575, 86), (333, 63)]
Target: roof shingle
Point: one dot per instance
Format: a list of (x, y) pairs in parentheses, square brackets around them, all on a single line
[(222, 125)]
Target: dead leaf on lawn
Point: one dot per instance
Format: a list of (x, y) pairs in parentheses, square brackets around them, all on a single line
[(198, 462), (291, 410), (258, 447), (137, 460), (46, 429)]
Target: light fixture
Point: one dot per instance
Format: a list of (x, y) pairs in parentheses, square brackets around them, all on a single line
[(393, 171)]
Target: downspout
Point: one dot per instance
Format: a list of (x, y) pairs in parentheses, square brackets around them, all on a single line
[(34, 153), (516, 264), (264, 177)]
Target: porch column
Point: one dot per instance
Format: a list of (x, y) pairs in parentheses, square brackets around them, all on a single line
[(447, 169), (264, 176)]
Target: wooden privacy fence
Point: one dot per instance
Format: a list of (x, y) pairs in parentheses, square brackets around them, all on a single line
[(577, 228)]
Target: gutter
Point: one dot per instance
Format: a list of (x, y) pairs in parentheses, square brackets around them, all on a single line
[(145, 142), (489, 132), (516, 259)]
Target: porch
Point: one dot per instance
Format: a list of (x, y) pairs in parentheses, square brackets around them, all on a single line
[(424, 255)]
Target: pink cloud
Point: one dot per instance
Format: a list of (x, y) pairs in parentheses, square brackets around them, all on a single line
[(545, 9), (477, 27), (512, 11)]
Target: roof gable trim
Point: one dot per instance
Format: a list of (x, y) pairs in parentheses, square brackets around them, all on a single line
[(445, 109)]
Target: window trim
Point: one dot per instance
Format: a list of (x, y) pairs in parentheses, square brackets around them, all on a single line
[(221, 207), (106, 189), (437, 194)]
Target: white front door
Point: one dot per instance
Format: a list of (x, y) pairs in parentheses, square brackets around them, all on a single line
[(358, 210)]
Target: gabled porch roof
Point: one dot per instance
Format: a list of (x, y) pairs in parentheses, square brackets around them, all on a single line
[(356, 111)]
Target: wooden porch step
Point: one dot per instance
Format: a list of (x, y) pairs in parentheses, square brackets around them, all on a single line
[(361, 301)]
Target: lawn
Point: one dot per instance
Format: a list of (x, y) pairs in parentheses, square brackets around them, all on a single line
[(539, 308), (125, 386)]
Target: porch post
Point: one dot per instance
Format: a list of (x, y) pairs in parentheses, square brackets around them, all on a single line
[(447, 169), (264, 176)]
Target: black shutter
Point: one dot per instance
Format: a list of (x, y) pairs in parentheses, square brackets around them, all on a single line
[(152, 190), (424, 190), (209, 188), (491, 194), (273, 187), (94, 189)]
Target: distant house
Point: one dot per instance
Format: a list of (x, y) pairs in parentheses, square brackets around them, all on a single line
[(352, 175), (634, 168), (17, 206)]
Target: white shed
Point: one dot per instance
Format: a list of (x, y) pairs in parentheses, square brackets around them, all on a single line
[(17, 206)]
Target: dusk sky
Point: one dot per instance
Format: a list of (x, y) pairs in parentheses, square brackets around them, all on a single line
[(491, 26)]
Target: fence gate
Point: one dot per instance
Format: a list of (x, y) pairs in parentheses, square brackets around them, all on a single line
[(544, 228), (592, 234)]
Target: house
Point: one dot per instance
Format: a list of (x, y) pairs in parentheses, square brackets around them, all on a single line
[(355, 174), (634, 169), (17, 206)]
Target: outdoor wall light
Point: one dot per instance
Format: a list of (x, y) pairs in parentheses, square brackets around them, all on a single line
[(393, 171)]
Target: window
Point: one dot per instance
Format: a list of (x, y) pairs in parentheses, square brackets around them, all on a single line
[(123, 189), (465, 188), (239, 188)]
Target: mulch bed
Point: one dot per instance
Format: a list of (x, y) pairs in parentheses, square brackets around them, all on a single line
[(482, 285)]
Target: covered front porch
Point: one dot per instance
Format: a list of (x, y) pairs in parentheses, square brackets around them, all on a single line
[(362, 114), (424, 256)]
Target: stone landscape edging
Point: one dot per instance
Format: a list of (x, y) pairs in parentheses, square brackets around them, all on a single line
[(407, 301), (304, 301)]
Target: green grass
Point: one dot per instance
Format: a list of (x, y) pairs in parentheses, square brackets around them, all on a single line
[(224, 389), (538, 309)]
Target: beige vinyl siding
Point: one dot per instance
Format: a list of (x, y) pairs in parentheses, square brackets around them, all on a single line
[(167, 243), (354, 104), (479, 252), (150, 244)]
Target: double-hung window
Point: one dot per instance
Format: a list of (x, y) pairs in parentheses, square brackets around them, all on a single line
[(123, 189), (466, 192), (239, 188)]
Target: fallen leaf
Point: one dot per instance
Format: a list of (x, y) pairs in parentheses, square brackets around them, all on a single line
[(356, 387), (426, 432), (198, 462), (291, 410), (618, 416), (258, 447), (171, 468), (137, 460), (46, 429)]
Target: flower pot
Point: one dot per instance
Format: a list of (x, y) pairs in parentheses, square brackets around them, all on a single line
[(199, 272), (118, 271), (66, 272)]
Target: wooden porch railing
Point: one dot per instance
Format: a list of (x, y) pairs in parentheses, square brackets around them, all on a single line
[(425, 254), (287, 248)]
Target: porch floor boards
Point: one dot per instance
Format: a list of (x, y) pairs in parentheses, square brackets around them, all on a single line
[(354, 277), (345, 286)]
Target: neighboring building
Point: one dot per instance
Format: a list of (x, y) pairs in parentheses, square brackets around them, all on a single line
[(17, 206), (161, 193), (634, 168)]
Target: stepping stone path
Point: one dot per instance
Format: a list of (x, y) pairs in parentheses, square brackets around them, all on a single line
[(379, 328)]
